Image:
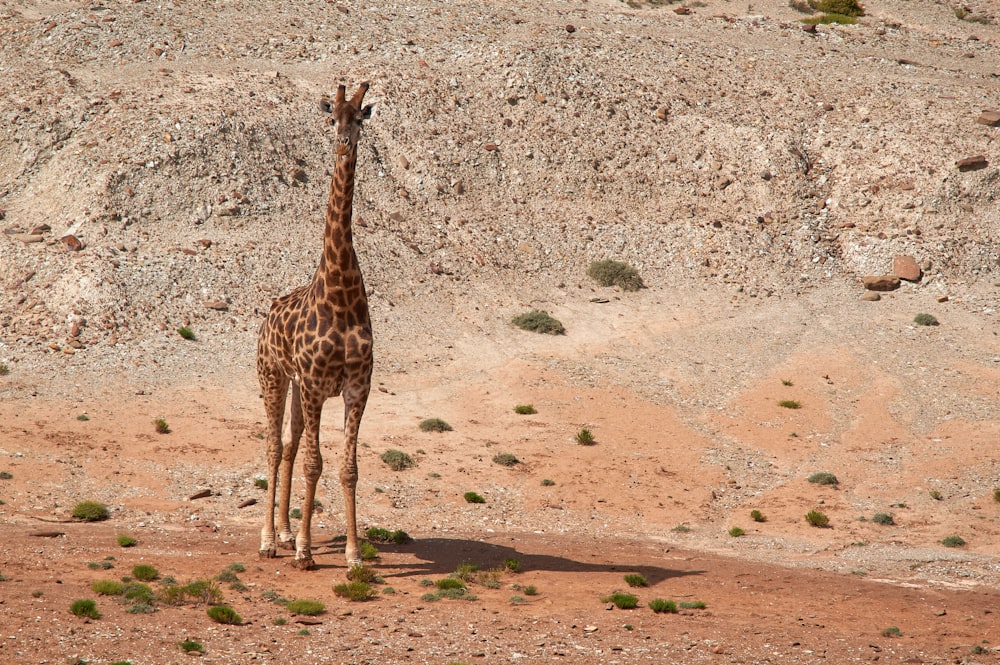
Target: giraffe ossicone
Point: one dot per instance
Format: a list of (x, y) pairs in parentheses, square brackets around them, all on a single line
[(317, 339)]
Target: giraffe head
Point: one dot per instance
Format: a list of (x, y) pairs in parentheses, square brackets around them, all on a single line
[(347, 116)]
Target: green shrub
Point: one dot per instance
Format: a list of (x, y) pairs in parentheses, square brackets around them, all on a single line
[(260, 483), (449, 583), (892, 631), (530, 590), (354, 591), (397, 460), (661, 606), (525, 409), (106, 587), (936, 495), (636, 580), (615, 273), (472, 497), (548, 482), (306, 607), (953, 541), (623, 601), (842, 7), (692, 605), (505, 459), (925, 320), (145, 572), (996, 496), (379, 535), (224, 614), (539, 322), (790, 404), (816, 518), (758, 516), (6, 475), (823, 478), (367, 550), (885, 519), (190, 646), (126, 541), (186, 333), (137, 591), (518, 600), (362, 574), (90, 511), (161, 426), (4, 369), (736, 532), (434, 425), (825, 19), (585, 437), (85, 608), (512, 565)]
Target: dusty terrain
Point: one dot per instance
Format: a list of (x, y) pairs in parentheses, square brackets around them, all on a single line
[(752, 172)]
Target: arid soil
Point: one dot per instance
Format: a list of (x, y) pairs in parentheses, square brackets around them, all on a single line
[(166, 165)]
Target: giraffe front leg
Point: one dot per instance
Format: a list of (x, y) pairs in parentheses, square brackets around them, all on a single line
[(286, 539), (312, 466), (268, 549), (349, 476)]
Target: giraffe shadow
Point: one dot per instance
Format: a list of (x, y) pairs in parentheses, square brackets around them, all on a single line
[(441, 556)]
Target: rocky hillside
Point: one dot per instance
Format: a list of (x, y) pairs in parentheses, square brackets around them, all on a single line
[(167, 164)]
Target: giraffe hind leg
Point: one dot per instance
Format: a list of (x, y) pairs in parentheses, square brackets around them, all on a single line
[(274, 388), (286, 539)]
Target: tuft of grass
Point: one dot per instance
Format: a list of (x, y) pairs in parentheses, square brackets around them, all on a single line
[(615, 273), (548, 482), (279, 621), (100, 565), (736, 532), (355, 591), (885, 519), (505, 459), (518, 600), (137, 591), (826, 19), (758, 516), (790, 404), (823, 478), (367, 550), (996, 496), (623, 601), (953, 541), (540, 322), (892, 631), (397, 460), (224, 614), (186, 333), (925, 320), (530, 590), (362, 574), (693, 605), (295, 513), (512, 565), (126, 541), (106, 587), (190, 646), (6, 475), (85, 609), (786, 382), (585, 437), (145, 572), (661, 606), (525, 409), (434, 425), (304, 632), (306, 607), (161, 426), (379, 535), (83, 417), (449, 583), (4, 369), (260, 483), (90, 511), (472, 497), (936, 495), (681, 528), (817, 519), (636, 580)]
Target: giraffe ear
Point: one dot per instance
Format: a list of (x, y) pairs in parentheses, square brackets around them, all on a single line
[(366, 112), (326, 104)]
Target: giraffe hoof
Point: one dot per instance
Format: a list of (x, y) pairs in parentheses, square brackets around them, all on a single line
[(286, 544), (304, 564), (267, 554)]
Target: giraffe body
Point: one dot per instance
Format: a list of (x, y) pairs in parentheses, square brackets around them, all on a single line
[(318, 340)]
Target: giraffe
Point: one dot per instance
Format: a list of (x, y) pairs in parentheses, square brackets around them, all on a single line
[(318, 338)]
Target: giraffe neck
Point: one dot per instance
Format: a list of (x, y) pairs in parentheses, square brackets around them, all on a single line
[(339, 260)]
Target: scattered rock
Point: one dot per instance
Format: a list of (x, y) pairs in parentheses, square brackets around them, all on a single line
[(247, 503), (220, 305), (72, 243), (989, 118), (683, 11), (942, 299), (28, 238), (200, 495), (972, 163), (661, 113), (880, 282), (571, 28), (871, 296), (906, 267), (40, 229)]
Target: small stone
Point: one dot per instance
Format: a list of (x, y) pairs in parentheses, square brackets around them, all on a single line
[(683, 11), (905, 267), (989, 118), (40, 229), (871, 296), (722, 182), (809, 28), (72, 243), (540, 98), (942, 299), (200, 495), (571, 28), (204, 242), (662, 113), (220, 305), (880, 282), (972, 163), (115, 43), (491, 147), (74, 329), (28, 238), (590, 629), (403, 162), (459, 187), (247, 503), (76, 344), (396, 216)]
